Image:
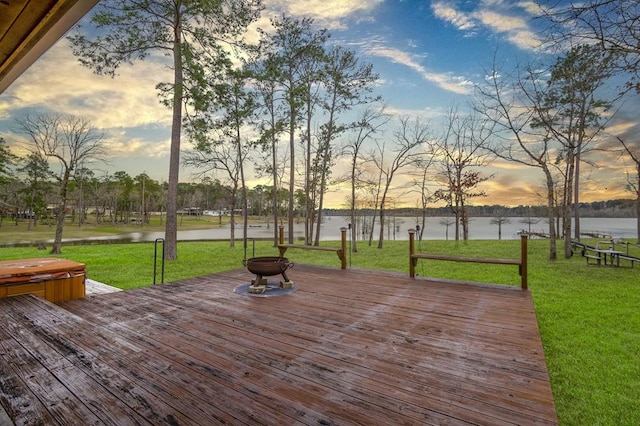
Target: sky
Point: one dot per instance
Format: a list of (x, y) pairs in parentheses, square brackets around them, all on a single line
[(429, 56)]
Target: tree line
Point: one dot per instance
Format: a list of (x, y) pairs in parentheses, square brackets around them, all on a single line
[(31, 192)]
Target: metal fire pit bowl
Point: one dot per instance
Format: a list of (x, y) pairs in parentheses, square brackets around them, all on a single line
[(266, 266)]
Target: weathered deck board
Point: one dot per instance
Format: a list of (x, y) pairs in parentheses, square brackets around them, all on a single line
[(349, 347)]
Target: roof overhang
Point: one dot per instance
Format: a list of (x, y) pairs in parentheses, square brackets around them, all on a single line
[(29, 27)]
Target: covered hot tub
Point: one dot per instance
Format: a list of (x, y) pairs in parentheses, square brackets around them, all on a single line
[(54, 279)]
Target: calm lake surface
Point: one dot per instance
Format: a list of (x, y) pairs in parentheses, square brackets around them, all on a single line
[(397, 228)]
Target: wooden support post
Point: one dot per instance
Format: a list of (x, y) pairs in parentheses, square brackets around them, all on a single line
[(281, 234), (343, 241), (412, 265), (523, 261)]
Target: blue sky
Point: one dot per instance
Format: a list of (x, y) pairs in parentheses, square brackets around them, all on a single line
[(429, 55)]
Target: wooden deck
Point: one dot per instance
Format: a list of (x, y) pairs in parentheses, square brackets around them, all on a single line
[(349, 347)]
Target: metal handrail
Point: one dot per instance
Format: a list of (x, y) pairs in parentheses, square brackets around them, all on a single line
[(155, 260)]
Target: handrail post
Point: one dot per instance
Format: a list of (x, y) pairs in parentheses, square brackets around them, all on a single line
[(155, 259), (281, 234), (343, 258), (523, 261), (412, 268)]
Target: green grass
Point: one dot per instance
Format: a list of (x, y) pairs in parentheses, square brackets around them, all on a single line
[(589, 317)]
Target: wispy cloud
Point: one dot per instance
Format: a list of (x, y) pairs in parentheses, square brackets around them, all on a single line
[(446, 81), (496, 16), (459, 19), (516, 29), (330, 14)]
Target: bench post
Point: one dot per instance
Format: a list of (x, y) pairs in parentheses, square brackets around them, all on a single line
[(412, 267), (523, 261), (343, 242)]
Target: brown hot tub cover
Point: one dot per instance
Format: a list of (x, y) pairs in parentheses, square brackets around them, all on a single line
[(36, 270), (54, 279)]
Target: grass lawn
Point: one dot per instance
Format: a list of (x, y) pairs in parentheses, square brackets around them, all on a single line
[(589, 316)]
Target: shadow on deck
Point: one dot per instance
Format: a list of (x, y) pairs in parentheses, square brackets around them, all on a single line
[(348, 347)]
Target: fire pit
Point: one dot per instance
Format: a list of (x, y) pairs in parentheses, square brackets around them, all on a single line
[(267, 266)]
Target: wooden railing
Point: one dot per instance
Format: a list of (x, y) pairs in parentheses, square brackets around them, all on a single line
[(521, 263), (340, 251)]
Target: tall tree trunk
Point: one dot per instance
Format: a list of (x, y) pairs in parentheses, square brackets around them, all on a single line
[(171, 228), (551, 214), (373, 224), (381, 235), (243, 188), (566, 216), (308, 201), (326, 158), (456, 212), (637, 185), (232, 218), (62, 211), (576, 195), (292, 174), (383, 203), (274, 165), (354, 227)]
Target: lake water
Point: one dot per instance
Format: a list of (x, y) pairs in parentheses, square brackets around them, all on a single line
[(480, 228)]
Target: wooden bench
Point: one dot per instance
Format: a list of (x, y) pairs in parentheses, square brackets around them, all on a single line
[(594, 257), (629, 258), (521, 263), (340, 251)]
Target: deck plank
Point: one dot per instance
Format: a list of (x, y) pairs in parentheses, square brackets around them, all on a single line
[(349, 347)]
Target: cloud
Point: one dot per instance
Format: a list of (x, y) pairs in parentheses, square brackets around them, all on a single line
[(495, 15), (127, 108), (330, 14), (128, 100), (458, 19), (426, 113), (516, 29), (446, 81)]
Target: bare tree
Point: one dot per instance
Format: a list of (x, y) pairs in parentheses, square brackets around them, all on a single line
[(69, 140), (222, 156), (509, 102), (633, 182), (410, 136), (423, 180), (463, 151), (371, 121), (499, 220)]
